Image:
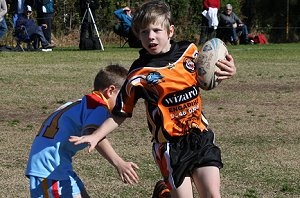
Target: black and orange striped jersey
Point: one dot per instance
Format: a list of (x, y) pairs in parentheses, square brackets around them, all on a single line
[(167, 82)]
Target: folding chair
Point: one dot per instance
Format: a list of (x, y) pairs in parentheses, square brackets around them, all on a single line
[(119, 30), (125, 39)]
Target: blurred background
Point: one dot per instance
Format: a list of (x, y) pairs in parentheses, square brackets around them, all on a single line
[(278, 20)]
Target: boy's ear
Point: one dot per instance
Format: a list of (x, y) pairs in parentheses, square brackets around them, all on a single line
[(172, 27), (109, 91)]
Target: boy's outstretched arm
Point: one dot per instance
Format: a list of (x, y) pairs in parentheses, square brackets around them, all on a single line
[(92, 140), (227, 67), (125, 169)]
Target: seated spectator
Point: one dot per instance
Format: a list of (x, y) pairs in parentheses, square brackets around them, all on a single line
[(124, 15), (27, 24), (124, 27), (231, 27), (3, 11)]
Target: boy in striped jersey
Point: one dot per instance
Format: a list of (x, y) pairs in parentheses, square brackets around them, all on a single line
[(165, 77)]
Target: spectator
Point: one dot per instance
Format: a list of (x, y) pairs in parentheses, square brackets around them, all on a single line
[(232, 26), (25, 22), (45, 11), (124, 28), (3, 11), (209, 21), (87, 24), (124, 15), (17, 7)]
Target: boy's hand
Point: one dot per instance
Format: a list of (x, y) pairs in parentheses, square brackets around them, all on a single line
[(127, 172), (227, 67), (84, 139)]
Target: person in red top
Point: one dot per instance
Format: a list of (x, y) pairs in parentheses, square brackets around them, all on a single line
[(211, 3), (209, 20)]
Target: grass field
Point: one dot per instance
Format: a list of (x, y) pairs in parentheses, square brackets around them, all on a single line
[(255, 117)]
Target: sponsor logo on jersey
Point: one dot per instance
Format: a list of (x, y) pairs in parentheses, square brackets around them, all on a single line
[(180, 97)]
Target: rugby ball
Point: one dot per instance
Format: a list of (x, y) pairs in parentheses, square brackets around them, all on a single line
[(212, 51)]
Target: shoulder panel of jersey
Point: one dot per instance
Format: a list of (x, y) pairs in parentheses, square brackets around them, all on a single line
[(95, 100)]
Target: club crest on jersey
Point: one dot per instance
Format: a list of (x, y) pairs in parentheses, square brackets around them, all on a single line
[(189, 65), (154, 78)]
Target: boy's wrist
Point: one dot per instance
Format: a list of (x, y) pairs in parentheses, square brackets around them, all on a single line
[(117, 161)]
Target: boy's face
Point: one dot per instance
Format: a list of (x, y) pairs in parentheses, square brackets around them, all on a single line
[(155, 38)]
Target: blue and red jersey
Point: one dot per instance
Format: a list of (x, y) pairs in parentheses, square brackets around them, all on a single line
[(51, 152)]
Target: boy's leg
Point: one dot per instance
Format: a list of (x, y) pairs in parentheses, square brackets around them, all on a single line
[(207, 181), (185, 190)]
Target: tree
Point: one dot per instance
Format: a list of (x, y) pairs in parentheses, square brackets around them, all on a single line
[(187, 16)]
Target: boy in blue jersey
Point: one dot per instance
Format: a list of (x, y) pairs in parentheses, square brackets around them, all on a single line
[(50, 161)]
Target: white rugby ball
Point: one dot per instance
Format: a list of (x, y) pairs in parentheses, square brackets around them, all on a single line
[(212, 51)]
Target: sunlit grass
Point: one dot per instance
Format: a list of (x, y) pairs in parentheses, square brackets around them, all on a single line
[(255, 116)]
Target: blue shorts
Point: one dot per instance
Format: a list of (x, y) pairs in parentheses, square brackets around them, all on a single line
[(44, 188)]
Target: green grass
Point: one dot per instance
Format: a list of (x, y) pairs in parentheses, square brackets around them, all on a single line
[(255, 117)]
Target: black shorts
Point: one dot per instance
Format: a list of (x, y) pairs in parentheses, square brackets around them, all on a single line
[(178, 159)]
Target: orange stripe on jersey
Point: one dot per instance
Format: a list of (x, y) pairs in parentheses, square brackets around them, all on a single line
[(45, 188), (162, 161)]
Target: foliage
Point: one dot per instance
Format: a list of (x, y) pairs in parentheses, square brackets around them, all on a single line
[(275, 23), (67, 17), (187, 15)]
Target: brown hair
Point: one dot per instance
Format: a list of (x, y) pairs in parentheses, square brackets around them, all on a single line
[(110, 75), (151, 12)]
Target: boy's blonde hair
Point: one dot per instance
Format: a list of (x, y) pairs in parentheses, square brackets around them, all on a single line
[(151, 12), (110, 75)]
